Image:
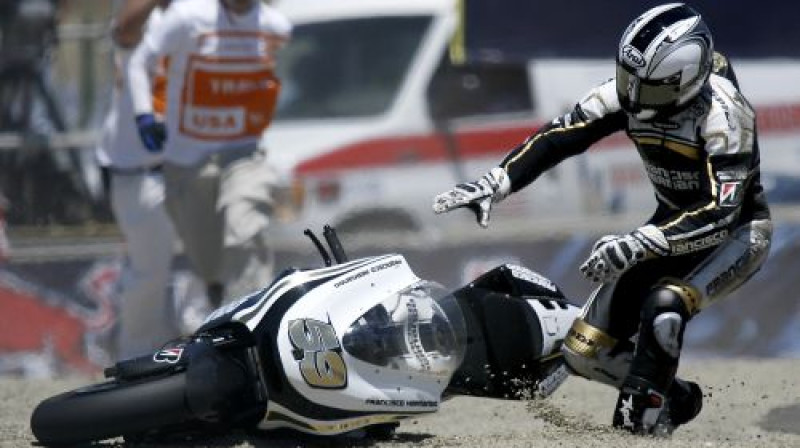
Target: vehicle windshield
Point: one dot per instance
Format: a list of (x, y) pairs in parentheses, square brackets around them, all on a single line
[(419, 329), (346, 68)]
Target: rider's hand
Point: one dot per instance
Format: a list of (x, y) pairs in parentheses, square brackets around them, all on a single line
[(612, 255), (477, 196), (152, 132)]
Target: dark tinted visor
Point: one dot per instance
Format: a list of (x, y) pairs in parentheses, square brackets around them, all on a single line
[(640, 93)]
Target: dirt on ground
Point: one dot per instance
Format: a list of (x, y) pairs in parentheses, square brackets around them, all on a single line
[(747, 403)]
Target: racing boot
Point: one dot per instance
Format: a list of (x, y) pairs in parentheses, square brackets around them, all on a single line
[(650, 383), (684, 402), (639, 407)]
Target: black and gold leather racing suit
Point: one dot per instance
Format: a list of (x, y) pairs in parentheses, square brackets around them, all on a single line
[(703, 163)]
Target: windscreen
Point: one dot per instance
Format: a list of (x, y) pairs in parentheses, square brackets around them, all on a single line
[(419, 329), (346, 68)]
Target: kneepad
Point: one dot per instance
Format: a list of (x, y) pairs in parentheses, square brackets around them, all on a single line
[(664, 317)]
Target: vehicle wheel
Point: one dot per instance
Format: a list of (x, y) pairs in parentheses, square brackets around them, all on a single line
[(111, 409)]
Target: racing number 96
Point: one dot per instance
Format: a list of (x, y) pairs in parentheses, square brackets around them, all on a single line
[(317, 350)]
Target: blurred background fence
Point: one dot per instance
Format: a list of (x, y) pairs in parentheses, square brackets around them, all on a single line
[(55, 79)]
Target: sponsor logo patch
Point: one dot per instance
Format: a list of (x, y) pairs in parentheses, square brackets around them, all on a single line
[(673, 179), (632, 56), (626, 409), (169, 355), (726, 277), (729, 194), (685, 247)]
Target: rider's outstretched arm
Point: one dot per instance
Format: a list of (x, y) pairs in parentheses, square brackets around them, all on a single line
[(593, 118), (596, 116)]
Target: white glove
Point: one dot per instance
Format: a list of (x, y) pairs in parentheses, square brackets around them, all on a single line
[(612, 255), (478, 196)]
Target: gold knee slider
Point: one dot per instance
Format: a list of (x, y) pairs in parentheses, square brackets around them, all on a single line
[(586, 340), (688, 293)]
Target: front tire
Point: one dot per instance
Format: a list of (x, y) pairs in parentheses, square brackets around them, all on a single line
[(111, 409)]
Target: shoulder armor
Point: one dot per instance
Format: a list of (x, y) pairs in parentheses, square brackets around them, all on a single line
[(600, 101), (730, 124)]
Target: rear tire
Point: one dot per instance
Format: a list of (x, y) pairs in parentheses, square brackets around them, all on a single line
[(111, 409)]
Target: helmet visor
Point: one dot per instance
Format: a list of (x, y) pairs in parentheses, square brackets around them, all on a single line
[(636, 93)]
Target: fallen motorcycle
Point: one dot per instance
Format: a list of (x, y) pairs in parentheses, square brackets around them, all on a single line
[(352, 345)]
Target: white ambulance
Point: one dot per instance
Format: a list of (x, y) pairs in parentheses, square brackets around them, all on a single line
[(374, 120)]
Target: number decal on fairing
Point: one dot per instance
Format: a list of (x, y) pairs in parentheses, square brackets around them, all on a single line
[(318, 352)]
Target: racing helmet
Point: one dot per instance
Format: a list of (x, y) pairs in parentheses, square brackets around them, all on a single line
[(663, 62)]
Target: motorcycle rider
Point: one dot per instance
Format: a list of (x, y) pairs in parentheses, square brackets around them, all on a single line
[(678, 102)]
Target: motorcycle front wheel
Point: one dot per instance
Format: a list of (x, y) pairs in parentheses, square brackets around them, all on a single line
[(112, 409)]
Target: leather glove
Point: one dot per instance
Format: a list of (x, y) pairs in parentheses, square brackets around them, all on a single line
[(152, 132), (612, 255), (477, 196)]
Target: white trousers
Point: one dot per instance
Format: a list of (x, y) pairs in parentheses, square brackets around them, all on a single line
[(221, 209), (146, 317)]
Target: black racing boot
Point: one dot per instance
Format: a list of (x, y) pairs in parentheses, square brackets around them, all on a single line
[(643, 405), (685, 400), (639, 407)]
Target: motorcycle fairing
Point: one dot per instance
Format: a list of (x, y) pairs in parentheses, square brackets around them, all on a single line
[(332, 308), (281, 417), (250, 310), (321, 388)]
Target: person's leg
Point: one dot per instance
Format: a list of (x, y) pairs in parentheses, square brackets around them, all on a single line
[(145, 318), (599, 345), (249, 267), (246, 204), (644, 392), (733, 263), (191, 197), (650, 385)]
